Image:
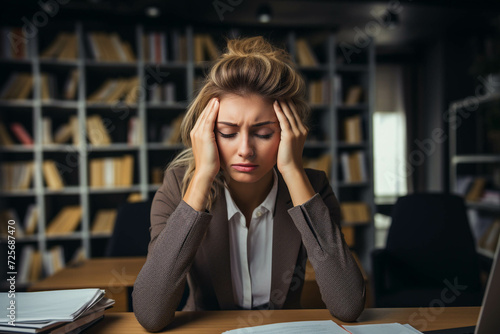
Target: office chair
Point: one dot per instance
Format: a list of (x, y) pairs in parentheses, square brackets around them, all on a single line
[(131, 236), (430, 258), (131, 232)]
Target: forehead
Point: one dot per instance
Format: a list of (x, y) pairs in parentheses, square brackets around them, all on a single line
[(248, 107)]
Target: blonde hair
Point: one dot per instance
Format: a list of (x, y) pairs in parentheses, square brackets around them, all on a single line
[(248, 66)]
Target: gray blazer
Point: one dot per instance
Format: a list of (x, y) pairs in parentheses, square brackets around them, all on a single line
[(194, 245)]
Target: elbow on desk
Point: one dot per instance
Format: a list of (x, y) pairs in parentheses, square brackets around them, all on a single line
[(350, 311), (153, 321), (149, 316)]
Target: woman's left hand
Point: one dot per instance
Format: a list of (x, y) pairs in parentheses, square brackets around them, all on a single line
[(293, 137)]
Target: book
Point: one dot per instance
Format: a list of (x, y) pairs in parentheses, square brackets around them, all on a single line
[(63, 47), (104, 221), (47, 131), (22, 135), (5, 137), (96, 132), (109, 47), (352, 129), (16, 175), (51, 175), (112, 172), (19, 86), (489, 239), (355, 212), (65, 222), (305, 55), (476, 190), (14, 44), (30, 219), (353, 96)]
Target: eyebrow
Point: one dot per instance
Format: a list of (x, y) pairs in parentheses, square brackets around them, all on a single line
[(253, 125)]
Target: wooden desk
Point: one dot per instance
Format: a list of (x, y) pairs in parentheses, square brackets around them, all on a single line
[(219, 321), (115, 275)]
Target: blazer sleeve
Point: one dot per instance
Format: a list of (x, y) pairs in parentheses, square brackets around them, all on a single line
[(339, 279), (176, 233)]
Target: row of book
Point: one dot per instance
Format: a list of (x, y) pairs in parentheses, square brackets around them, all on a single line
[(477, 189), (353, 166), (13, 44), (159, 48), (16, 175), (126, 90), (25, 227), (112, 172), (19, 86), (104, 172), (109, 47), (65, 222)]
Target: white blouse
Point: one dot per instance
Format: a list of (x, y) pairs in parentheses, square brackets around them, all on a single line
[(251, 250)]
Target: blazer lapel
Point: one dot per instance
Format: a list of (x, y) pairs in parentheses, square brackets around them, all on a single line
[(286, 245), (216, 249)]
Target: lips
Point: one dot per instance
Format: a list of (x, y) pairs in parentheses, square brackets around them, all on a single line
[(245, 167)]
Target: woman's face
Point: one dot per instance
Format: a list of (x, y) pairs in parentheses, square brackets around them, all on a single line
[(248, 135)]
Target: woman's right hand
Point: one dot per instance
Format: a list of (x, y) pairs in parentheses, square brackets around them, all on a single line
[(205, 151), (206, 156)]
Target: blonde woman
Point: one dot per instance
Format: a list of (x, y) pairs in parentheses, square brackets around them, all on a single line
[(237, 215)]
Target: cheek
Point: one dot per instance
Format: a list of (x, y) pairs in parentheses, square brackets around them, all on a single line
[(271, 150)]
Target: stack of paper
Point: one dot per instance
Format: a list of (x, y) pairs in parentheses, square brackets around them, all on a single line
[(325, 327), (60, 311)]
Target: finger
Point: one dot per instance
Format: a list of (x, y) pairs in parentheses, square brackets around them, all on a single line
[(300, 125), (212, 115), (283, 121), (289, 115), (203, 116)]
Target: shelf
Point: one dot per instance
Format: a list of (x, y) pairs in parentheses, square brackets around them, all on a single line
[(317, 144), (17, 103), (28, 238), (59, 63), (484, 206), (63, 148), (15, 61), (167, 106), (477, 99), (17, 148), (471, 159), (153, 187), (60, 104), (356, 107), (312, 68), (113, 147), (344, 145), (18, 193), (485, 252), (108, 106), (73, 236), (352, 68), (67, 190), (161, 146), (114, 189), (343, 184), (110, 65)]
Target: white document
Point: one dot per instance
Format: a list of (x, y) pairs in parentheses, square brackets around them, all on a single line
[(394, 328), (45, 306), (298, 327), (325, 327)]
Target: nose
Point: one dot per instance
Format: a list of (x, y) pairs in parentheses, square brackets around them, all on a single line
[(245, 147)]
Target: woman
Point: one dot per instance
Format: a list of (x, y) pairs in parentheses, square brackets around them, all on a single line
[(237, 215)]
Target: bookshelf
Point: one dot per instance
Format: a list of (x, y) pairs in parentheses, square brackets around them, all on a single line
[(475, 165), (87, 129)]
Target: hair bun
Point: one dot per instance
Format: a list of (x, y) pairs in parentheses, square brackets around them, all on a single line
[(255, 46)]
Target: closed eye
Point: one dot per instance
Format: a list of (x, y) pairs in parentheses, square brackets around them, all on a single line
[(227, 135)]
